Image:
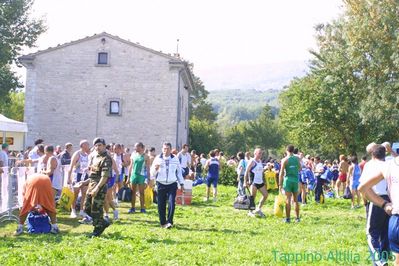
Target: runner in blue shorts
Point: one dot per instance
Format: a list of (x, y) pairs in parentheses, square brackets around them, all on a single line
[(212, 165)]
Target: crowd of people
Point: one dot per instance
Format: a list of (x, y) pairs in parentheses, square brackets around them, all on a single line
[(97, 172)]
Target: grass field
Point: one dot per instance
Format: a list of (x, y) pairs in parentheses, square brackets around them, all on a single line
[(204, 234)]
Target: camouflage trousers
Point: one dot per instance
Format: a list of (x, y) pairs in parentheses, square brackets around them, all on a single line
[(94, 207)]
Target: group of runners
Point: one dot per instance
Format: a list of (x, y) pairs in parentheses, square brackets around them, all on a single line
[(104, 169)]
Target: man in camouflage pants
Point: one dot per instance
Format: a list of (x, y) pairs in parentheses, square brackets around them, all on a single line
[(100, 167)]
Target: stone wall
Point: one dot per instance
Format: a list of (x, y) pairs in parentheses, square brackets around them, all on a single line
[(67, 95)]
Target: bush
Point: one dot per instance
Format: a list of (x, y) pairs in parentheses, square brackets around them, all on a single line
[(228, 175)]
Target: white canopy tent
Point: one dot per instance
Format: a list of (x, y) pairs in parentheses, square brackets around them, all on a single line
[(13, 133)]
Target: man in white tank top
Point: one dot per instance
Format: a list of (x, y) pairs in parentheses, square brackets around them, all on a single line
[(79, 166), (53, 170)]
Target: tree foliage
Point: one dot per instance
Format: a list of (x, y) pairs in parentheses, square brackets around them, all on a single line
[(17, 30), (204, 136), (261, 132), (14, 106), (198, 106), (349, 97)]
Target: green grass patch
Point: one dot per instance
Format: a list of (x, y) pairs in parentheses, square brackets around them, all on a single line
[(204, 234)]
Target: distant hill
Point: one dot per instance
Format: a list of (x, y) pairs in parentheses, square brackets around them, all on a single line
[(233, 106), (258, 77)]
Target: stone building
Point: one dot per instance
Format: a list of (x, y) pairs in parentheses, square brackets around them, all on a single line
[(108, 87)]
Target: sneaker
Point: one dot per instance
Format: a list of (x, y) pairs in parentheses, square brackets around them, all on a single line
[(54, 230), (106, 218), (73, 214), (168, 226), (86, 220), (82, 213), (260, 213), (287, 220), (19, 230), (132, 210), (143, 211), (297, 220), (251, 214), (116, 215)]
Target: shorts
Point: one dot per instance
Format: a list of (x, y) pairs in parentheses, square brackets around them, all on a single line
[(79, 177), (342, 177), (212, 180), (120, 179), (258, 186), (185, 171), (111, 182), (137, 179), (335, 176), (393, 233), (290, 185), (355, 185)]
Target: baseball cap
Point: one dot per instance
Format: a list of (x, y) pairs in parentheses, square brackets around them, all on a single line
[(98, 140)]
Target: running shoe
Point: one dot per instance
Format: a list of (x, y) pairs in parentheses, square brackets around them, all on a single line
[(287, 220), (297, 220), (54, 230), (82, 213), (132, 210), (86, 220), (19, 231), (260, 213), (143, 211), (73, 213), (168, 226)]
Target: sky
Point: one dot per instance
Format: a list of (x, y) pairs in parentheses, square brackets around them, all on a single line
[(212, 33)]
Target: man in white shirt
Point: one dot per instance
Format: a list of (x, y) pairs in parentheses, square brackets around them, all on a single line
[(167, 171), (185, 160), (377, 217), (3, 157)]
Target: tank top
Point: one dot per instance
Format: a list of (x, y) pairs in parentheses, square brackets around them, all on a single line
[(257, 171), (118, 161), (83, 163), (57, 175), (41, 166), (356, 174), (213, 170), (292, 168), (138, 164)]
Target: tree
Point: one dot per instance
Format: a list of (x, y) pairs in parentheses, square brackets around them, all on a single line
[(342, 104), (198, 106), (261, 132), (204, 136), (14, 109), (17, 30)]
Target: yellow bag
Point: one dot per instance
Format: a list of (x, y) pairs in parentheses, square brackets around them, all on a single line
[(148, 197), (279, 202), (66, 198), (270, 178)]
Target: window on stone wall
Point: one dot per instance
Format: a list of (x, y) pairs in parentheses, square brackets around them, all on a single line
[(114, 107), (102, 58)]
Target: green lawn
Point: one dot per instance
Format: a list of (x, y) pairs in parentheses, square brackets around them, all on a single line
[(204, 234)]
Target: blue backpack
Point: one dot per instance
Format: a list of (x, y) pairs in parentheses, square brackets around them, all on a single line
[(38, 223)]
